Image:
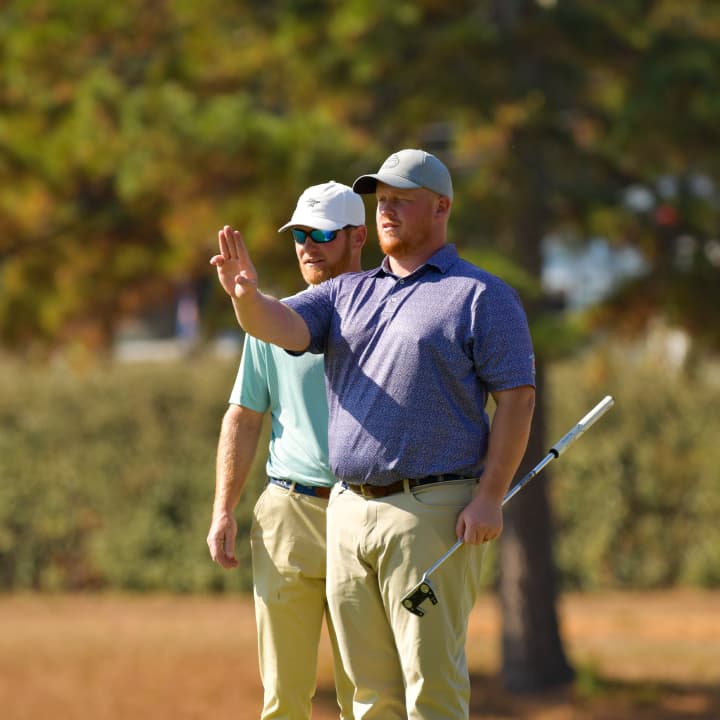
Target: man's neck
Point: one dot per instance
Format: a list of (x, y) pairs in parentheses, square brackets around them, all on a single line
[(404, 265)]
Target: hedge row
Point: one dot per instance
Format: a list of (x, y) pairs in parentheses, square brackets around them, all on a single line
[(107, 476)]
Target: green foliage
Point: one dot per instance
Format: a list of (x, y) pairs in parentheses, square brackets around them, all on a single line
[(107, 477), (130, 133), (128, 136), (637, 501)]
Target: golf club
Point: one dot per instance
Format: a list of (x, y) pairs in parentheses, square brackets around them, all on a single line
[(424, 589)]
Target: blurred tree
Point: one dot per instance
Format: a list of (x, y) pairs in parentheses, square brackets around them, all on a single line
[(127, 136), (660, 131)]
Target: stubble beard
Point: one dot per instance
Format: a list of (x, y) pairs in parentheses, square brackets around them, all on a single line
[(391, 245), (399, 245), (317, 275), (313, 275)]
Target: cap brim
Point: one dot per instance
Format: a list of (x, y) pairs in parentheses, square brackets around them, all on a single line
[(312, 222), (366, 184)]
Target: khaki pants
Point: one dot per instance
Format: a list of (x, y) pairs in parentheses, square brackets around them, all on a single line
[(403, 666), (288, 555)]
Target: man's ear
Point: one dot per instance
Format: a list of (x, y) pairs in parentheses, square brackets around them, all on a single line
[(358, 235), (442, 206)]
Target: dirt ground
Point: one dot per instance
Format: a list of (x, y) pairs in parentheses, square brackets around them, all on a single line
[(638, 656)]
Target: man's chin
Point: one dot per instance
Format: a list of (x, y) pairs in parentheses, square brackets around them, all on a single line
[(315, 276), (390, 245)]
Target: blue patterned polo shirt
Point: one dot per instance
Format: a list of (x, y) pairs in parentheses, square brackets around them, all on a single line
[(409, 364)]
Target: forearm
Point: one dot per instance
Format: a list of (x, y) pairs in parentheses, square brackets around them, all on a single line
[(238, 441), (270, 320), (508, 440)]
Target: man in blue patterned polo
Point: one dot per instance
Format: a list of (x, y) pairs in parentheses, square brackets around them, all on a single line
[(413, 349)]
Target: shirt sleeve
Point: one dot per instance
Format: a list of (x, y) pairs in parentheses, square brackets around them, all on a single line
[(502, 347), (316, 307), (251, 384)]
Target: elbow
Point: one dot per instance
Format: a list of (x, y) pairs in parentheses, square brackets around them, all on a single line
[(298, 334), (298, 345)]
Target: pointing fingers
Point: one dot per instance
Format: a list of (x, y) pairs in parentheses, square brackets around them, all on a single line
[(227, 242), (236, 272)]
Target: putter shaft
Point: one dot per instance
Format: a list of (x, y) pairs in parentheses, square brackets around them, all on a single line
[(423, 590)]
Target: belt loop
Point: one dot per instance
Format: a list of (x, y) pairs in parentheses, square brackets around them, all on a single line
[(406, 485)]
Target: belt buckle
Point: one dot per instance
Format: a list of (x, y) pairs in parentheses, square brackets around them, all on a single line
[(362, 491)]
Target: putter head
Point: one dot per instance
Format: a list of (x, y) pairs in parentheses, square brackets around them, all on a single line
[(421, 592)]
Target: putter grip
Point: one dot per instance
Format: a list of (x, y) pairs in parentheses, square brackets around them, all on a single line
[(595, 414)]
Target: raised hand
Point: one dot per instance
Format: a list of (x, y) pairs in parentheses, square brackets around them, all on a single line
[(235, 270), (259, 315)]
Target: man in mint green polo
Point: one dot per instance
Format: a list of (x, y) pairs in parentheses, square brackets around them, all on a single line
[(288, 531)]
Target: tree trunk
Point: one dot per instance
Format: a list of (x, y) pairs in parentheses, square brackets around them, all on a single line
[(533, 658)]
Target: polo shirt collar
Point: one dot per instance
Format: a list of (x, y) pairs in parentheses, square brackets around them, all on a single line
[(441, 260)]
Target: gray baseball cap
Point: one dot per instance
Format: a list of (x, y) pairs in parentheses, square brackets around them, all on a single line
[(408, 169)]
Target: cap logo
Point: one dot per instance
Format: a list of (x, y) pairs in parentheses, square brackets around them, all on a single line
[(392, 161), (311, 202)]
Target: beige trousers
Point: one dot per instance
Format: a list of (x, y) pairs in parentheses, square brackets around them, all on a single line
[(288, 556), (403, 666)]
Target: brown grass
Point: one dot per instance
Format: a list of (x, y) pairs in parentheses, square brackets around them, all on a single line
[(639, 656)]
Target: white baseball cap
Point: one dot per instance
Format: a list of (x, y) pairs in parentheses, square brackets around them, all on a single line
[(330, 206), (409, 169)]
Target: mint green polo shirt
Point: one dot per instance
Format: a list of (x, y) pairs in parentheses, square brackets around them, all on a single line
[(293, 389)]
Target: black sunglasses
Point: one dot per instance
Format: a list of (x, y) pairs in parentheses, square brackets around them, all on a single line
[(318, 236)]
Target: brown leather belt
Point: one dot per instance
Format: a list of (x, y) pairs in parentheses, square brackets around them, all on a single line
[(311, 490), (380, 491)]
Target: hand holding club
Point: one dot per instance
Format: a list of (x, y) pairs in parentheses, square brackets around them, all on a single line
[(480, 521), (424, 590)]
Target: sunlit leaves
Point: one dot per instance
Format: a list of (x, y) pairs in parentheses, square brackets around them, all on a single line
[(130, 132)]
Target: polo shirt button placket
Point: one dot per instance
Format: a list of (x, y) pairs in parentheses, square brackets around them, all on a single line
[(393, 299)]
